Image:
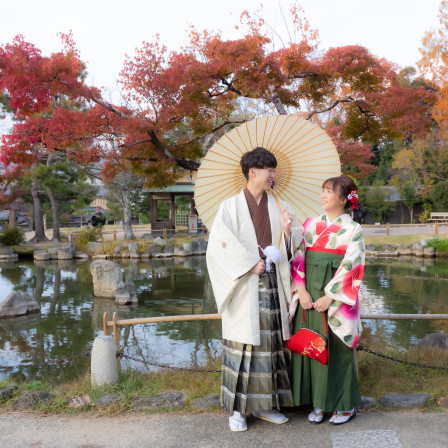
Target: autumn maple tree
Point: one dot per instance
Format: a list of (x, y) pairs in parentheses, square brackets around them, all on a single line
[(174, 101)]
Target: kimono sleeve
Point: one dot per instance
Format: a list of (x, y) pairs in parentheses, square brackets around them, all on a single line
[(297, 272), (298, 261), (296, 237), (227, 259), (344, 286)]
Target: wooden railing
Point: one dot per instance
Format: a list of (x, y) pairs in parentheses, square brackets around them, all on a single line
[(115, 323)]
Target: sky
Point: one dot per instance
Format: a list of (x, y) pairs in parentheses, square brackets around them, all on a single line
[(106, 30)]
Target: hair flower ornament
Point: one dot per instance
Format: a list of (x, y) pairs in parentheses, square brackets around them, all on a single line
[(353, 198)]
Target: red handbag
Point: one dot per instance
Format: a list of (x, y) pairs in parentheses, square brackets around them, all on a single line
[(309, 343)]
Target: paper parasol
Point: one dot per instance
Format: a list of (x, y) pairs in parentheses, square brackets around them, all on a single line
[(305, 154)]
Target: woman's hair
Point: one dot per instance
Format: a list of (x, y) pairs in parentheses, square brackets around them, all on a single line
[(343, 185), (257, 158)]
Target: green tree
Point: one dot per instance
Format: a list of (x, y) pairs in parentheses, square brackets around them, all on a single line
[(378, 202), (439, 195), (410, 198), (61, 182)]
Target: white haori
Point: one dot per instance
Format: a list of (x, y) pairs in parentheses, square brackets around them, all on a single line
[(231, 253)]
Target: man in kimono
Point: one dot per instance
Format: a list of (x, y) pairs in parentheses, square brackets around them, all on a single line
[(247, 259)]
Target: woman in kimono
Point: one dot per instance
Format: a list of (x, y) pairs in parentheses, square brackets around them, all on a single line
[(326, 275)]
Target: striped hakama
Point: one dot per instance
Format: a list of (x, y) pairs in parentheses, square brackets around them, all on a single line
[(255, 378)]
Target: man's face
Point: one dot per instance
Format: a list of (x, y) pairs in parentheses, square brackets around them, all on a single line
[(262, 178), (97, 209)]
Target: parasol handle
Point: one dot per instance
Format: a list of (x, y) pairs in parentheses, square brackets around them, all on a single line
[(282, 209)]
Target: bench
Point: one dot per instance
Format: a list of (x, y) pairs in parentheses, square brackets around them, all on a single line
[(438, 217)]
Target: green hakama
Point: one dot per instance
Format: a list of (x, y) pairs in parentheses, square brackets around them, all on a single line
[(333, 387)]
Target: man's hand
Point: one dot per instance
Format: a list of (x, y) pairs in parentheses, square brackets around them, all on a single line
[(286, 219), (323, 303), (259, 268)]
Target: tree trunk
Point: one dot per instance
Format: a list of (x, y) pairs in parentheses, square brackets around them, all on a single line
[(54, 207), (55, 212), (127, 215), (39, 231), (31, 219), (278, 103)]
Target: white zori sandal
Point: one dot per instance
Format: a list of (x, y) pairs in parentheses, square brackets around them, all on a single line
[(316, 416), (271, 416), (237, 422), (341, 417)]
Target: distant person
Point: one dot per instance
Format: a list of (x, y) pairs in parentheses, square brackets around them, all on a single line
[(98, 219), (358, 214)]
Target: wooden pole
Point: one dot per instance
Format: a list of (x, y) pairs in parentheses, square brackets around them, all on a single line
[(191, 317), (405, 316), (116, 330), (387, 229), (105, 328), (164, 233), (436, 228)]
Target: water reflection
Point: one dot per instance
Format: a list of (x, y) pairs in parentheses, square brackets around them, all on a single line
[(411, 286), (71, 317)]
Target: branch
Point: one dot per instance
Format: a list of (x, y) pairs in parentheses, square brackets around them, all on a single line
[(302, 75), (110, 107), (231, 88), (211, 132), (347, 99), (183, 163)]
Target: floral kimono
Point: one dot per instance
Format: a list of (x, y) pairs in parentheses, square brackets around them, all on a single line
[(330, 262)]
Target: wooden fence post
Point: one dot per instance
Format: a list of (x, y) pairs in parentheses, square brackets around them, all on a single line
[(436, 228), (116, 330), (387, 229), (105, 327)]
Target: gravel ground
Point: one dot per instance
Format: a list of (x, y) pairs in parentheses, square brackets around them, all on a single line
[(410, 429)]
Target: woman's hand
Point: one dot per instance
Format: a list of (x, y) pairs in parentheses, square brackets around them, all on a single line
[(305, 298), (259, 268), (286, 219), (323, 303)]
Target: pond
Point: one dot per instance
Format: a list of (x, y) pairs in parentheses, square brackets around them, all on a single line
[(71, 317)]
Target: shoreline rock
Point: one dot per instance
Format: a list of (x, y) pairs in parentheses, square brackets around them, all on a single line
[(18, 303), (172, 399), (405, 401)]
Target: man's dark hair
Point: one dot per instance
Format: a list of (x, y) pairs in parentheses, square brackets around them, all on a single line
[(257, 158)]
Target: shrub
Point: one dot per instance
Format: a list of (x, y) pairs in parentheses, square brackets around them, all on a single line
[(11, 236), (425, 215), (86, 235), (439, 245)]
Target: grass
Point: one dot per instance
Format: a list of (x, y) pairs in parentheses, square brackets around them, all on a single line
[(377, 377), (400, 240), (131, 384)]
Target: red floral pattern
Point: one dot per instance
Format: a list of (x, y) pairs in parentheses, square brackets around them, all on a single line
[(352, 282)]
